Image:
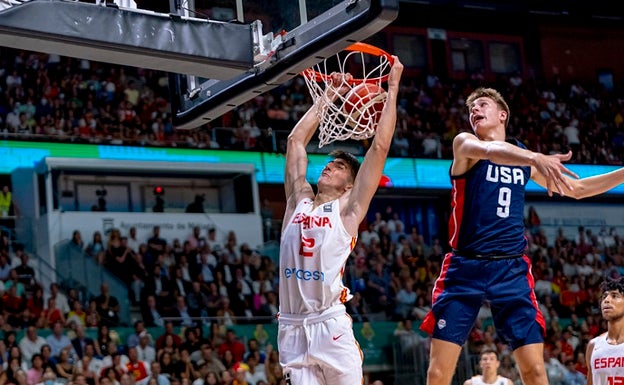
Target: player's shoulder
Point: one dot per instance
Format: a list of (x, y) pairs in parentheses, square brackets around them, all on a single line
[(598, 338), (464, 136), (516, 142), (505, 381)]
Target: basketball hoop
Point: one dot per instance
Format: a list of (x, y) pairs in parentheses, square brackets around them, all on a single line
[(355, 114)]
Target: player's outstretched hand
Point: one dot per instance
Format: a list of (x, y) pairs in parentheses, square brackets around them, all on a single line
[(339, 84), (395, 73), (551, 167)]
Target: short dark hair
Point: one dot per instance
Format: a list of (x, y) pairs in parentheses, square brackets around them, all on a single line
[(351, 160), (613, 284), (485, 351)]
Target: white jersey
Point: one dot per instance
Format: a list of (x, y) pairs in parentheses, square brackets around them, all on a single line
[(313, 252), (478, 380), (607, 362)]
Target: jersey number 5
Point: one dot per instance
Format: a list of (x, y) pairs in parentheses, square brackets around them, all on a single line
[(305, 249)]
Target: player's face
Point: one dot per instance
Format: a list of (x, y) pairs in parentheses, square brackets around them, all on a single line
[(336, 174), (485, 115), (612, 305), (488, 362)]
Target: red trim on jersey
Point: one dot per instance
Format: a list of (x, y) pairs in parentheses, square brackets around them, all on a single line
[(429, 321), (457, 210), (343, 295), (539, 317), (353, 242)]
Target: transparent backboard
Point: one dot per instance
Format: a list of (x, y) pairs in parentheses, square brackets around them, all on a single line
[(219, 53), (303, 32), (276, 15)]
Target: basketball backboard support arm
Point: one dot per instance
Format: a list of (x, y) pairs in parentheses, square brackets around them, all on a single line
[(137, 38), (296, 50)]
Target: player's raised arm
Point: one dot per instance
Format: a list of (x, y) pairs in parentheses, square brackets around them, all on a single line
[(586, 187), (367, 180), (296, 155), (296, 185)]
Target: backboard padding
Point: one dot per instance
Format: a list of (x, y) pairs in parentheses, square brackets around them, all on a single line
[(136, 38)]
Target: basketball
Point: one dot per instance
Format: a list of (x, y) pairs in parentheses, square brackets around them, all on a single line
[(363, 105)]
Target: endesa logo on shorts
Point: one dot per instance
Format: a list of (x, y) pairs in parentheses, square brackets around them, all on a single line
[(304, 275)]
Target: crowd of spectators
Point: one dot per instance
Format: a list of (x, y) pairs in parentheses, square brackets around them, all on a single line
[(203, 278), (206, 285), (194, 297), (54, 98), (72, 357)]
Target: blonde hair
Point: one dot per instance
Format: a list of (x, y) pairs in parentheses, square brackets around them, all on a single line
[(490, 93)]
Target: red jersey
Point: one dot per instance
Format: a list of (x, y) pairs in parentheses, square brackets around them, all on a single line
[(138, 370)]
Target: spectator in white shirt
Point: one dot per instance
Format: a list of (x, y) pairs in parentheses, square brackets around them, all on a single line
[(368, 235), (145, 350), (132, 241), (31, 343), (60, 299), (256, 372)]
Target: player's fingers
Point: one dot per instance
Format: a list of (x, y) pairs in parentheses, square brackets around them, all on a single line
[(564, 157), (560, 189), (569, 172), (561, 180), (549, 186), (336, 79)]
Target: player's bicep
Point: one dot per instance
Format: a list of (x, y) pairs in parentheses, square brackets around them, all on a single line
[(588, 358), (468, 146), (296, 169)]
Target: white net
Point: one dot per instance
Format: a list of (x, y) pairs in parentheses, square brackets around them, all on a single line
[(354, 114)]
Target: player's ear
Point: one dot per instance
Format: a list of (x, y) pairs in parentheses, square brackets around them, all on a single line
[(348, 187), (502, 115)]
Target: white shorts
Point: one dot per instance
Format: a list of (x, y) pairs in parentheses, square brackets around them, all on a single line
[(319, 348)]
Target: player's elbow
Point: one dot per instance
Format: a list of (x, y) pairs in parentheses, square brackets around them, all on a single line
[(381, 146), (295, 140), (579, 192)]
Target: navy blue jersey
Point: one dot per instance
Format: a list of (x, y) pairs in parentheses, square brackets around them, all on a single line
[(487, 216)]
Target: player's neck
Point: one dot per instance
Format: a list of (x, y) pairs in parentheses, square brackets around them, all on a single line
[(615, 333), (489, 378), (326, 196)]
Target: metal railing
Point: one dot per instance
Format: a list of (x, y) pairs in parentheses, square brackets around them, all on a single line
[(78, 270), (411, 360)]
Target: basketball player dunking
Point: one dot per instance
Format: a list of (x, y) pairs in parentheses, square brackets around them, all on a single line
[(315, 338)]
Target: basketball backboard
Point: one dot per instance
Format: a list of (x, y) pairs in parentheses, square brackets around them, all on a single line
[(293, 36), (220, 53)]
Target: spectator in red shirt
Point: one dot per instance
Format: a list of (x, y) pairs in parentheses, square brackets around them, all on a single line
[(51, 315), (177, 340), (232, 344), (137, 368)]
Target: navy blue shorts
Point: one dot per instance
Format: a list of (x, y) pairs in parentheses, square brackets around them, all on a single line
[(465, 283)]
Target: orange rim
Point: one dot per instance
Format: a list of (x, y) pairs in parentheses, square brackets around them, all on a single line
[(355, 47)]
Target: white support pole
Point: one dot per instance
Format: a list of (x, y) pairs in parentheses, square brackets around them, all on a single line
[(303, 12)]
